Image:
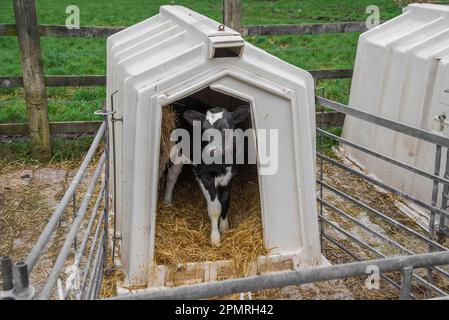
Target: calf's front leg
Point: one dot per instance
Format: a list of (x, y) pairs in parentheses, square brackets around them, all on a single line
[(213, 208), (224, 200), (214, 211), (172, 177)]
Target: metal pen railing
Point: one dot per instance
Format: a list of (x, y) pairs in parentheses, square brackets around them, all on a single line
[(288, 278), (440, 141), (16, 278)]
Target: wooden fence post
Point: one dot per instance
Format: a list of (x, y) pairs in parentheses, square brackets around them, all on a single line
[(232, 14), (33, 78)]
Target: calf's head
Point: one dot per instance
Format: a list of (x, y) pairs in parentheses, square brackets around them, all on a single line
[(217, 127)]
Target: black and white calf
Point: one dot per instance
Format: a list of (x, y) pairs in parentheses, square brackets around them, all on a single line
[(215, 180)]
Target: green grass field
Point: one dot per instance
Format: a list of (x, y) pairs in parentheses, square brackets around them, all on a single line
[(78, 56)]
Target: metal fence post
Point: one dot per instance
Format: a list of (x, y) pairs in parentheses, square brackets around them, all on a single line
[(406, 283), (435, 191), (432, 213), (7, 277), (22, 288), (74, 215), (7, 273), (444, 202), (322, 230), (106, 189)]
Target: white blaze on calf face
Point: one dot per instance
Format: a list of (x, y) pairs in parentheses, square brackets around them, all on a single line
[(213, 117)]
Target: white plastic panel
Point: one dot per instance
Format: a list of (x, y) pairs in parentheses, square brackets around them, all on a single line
[(399, 74)]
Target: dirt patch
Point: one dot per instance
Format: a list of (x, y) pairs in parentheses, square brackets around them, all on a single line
[(29, 194), (27, 198)]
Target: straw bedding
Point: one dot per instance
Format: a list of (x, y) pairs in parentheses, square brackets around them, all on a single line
[(183, 230), (169, 122)]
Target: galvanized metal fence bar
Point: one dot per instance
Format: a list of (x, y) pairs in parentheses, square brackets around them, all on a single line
[(88, 265), (92, 288), (95, 269), (368, 247), (435, 192), (444, 200), (59, 263), (386, 123), (44, 238), (332, 240), (383, 157), (384, 186), (365, 227), (382, 216), (375, 233), (80, 252), (89, 227), (406, 283), (7, 276), (287, 278), (439, 140), (21, 288), (322, 230), (434, 203)]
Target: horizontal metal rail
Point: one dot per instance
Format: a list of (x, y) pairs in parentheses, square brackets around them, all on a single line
[(287, 278), (441, 298), (384, 217), (366, 246), (365, 227), (94, 214), (386, 123), (352, 254), (384, 186), (71, 235), (96, 268), (66, 199), (99, 231), (90, 225), (375, 233), (383, 157)]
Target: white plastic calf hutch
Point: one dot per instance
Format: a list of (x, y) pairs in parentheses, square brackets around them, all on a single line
[(176, 54), (402, 73)]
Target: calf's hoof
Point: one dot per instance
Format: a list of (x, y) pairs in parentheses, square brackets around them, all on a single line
[(168, 202), (223, 226), (215, 239)]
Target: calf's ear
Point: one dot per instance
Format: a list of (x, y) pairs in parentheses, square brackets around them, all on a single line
[(240, 114), (192, 115)]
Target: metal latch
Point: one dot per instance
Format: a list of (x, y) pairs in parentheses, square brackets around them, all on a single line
[(441, 122)]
